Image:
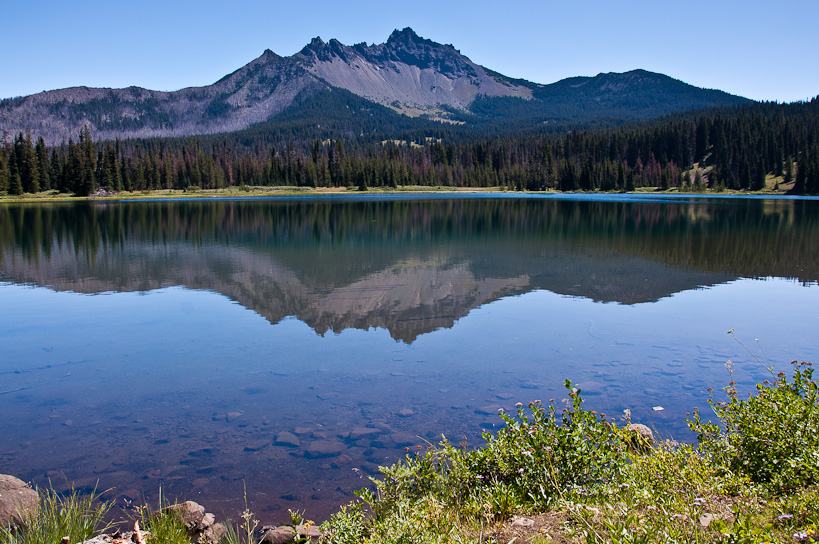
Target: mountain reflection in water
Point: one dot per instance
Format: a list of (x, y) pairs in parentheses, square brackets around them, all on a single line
[(387, 322), (409, 266)]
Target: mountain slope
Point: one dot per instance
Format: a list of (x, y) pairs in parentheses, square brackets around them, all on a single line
[(602, 100), (407, 73), (254, 93)]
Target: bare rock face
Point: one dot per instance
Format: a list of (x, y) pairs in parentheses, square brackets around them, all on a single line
[(17, 500), (407, 72)]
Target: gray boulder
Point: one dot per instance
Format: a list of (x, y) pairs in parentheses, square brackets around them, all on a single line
[(642, 436), (192, 514), (17, 500), (200, 524), (285, 535)]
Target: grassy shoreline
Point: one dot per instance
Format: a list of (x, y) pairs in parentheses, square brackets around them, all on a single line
[(255, 192), (557, 472)]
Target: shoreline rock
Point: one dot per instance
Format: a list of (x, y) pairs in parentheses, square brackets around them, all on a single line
[(17, 500)]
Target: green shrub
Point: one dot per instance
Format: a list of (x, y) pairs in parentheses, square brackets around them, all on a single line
[(580, 468), (540, 455), (345, 526), (543, 453), (770, 437)]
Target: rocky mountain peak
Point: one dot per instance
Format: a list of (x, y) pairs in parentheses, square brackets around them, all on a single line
[(407, 35), (408, 47), (407, 73)]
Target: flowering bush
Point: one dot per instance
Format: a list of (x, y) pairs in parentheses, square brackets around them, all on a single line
[(545, 452), (772, 437)]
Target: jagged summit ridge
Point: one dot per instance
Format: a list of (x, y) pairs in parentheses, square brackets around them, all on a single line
[(405, 35), (408, 73)]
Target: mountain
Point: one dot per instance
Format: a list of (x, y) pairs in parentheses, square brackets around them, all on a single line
[(407, 74), (254, 93), (605, 99)]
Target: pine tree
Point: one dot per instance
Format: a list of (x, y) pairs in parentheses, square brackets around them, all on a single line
[(788, 176), (86, 183), (26, 161), (4, 171), (43, 164), (111, 167), (812, 172), (699, 184), (73, 169), (57, 166), (799, 185), (758, 180), (15, 184)]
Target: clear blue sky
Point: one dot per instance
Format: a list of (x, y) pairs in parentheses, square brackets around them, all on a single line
[(761, 50)]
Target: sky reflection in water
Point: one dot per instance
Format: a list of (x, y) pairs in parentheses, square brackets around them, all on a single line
[(419, 335)]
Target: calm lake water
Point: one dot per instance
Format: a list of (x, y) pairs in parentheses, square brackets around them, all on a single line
[(290, 346)]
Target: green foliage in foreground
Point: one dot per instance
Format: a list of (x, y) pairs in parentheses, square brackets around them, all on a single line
[(74, 515), (582, 478), (751, 479), (165, 527), (773, 436)]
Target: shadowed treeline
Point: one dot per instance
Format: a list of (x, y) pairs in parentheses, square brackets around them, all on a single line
[(410, 265)]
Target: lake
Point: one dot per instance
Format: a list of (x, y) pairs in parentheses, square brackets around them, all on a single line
[(290, 346)]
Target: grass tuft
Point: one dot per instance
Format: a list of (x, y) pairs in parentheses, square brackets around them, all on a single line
[(74, 515)]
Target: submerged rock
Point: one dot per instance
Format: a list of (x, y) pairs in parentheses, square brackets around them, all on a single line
[(256, 445), (325, 448), (287, 439), (489, 410), (402, 438), (359, 432)]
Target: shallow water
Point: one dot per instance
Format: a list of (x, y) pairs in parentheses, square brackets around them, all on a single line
[(290, 346)]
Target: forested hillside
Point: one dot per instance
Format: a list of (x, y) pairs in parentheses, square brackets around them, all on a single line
[(725, 148)]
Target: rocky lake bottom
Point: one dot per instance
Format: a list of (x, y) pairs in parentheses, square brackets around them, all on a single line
[(283, 350)]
